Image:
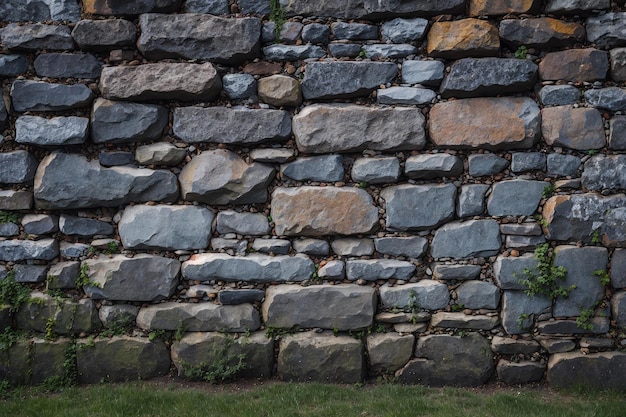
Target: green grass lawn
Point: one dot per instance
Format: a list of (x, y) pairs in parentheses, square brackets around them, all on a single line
[(174, 399)]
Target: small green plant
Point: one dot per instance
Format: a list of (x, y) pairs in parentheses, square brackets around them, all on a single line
[(50, 334), (91, 250), (70, 371), (521, 320), (277, 15), (7, 217), (584, 319), (8, 338), (13, 293), (362, 54), (120, 325), (595, 236), (548, 191), (546, 279), (180, 331), (112, 248), (157, 334), (413, 305), (457, 307), (269, 219), (335, 331), (271, 331), (363, 184), (603, 275), (223, 368), (83, 278), (592, 152), (521, 52)]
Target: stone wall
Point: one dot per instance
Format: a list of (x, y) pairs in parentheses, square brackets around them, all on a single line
[(427, 191)]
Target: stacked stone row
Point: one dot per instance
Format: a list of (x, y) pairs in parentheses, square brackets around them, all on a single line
[(371, 169)]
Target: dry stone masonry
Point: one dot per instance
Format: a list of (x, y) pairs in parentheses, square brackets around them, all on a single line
[(430, 191)]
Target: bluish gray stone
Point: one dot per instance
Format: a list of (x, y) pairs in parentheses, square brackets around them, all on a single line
[(515, 197), (332, 270), (59, 65), (314, 168), (607, 30), (478, 294), (448, 272), (234, 297), (519, 311), (618, 308), (12, 65), (604, 172), (41, 96), (573, 6), (62, 130), (111, 315), (405, 95), (618, 268), (528, 161), (120, 122), (510, 346), (376, 10), (130, 7), (418, 207), (352, 246), (340, 50), (63, 275), (610, 98), (63, 316), (422, 72), (39, 10), (559, 95), (106, 34), (324, 80), (207, 6), (426, 294), (617, 57), (524, 242), (249, 224), (9, 229), (166, 227), (290, 32), (73, 250), (428, 166), (599, 325), (617, 134), (467, 239), (83, 226), (271, 246), (35, 36), (354, 31), (388, 51), (116, 158), (272, 155), (464, 321), (254, 7), (16, 200), (541, 32), (160, 153), (474, 77), (509, 271), (239, 86), (40, 224), (522, 229), (29, 274), (292, 52), (17, 167), (268, 33), (486, 164), (4, 117), (239, 247), (411, 247), (401, 30), (22, 250), (471, 201), (316, 33), (563, 165), (312, 246), (378, 170)]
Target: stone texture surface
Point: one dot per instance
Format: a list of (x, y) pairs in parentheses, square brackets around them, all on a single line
[(314, 168), (426, 294), (542, 32), (586, 64), (161, 153), (463, 321), (411, 247), (12, 64), (39, 10), (61, 65), (405, 95), (132, 7), (600, 370), (573, 6), (64, 316), (558, 95), (358, 9), (463, 38), (478, 294), (388, 352), (33, 360), (120, 122), (16, 200), (519, 311), (515, 197), (429, 73), (230, 221), (375, 269), (41, 96), (279, 52), (99, 35), (280, 90), (607, 30), (508, 271), (486, 164), (61, 130), (471, 200), (431, 166), (418, 207), (618, 268), (496, 8), (82, 226), (325, 80), (515, 373), (575, 128), (604, 172), (467, 239), (22, 250), (17, 167), (401, 30), (618, 309), (609, 98), (33, 36), (378, 170)]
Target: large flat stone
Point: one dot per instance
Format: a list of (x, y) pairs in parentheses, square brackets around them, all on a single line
[(61, 130), (464, 321), (429, 166), (60, 65), (418, 207), (515, 197), (130, 7), (515, 373), (607, 30), (604, 173), (63, 315), (586, 64), (609, 98), (32, 360), (12, 65), (411, 247), (542, 32), (230, 221), (602, 370), (575, 6), (17, 167), (341, 79), (319, 211), (375, 269), (463, 38), (519, 311), (314, 168), (388, 352), (490, 123), (83, 226), (370, 9), (41, 96), (16, 200), (467, 239), (120, 122), (34, 36), (355, 128), (39, 10), (22, 250), (478, 294), (101, 35), (426, 294), (199, 36), (575, 128)]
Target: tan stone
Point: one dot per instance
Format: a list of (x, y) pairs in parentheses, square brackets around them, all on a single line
[(499, 7), (463, 38), (280, 90), (574, 128), (490, 123), (318, 211), (587, 64)]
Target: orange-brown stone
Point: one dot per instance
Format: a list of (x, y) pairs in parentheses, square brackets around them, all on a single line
[(587, 64), (574, 128), (499, 7), (462, 38)]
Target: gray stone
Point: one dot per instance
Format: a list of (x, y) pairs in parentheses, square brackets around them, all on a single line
[(65, 316), (63, 275), (166, 227), (290, 32), (326, 80), (254, 7), (272, 155), (104, 34), (486, 164), (456, 272), (119, 122), (352, 246), (118, 315), (618, 309), (467, 239), (354, 31), (40, 224), (573, 6), (222, 177), (618, 268), (617, 57), (359, 9), (411, 247), (314, 246), (71, 181), (199, 317), (59, 65), (375, 269), (239, 86), (515, 197), (422, 72), (607, 30), (377, 170), (471, 201), (268, 33), (426, 294), (524, 242), (4, 117), (404, 30), (39, 10), (617, 135), (240, 247), (428, 166), (604, 172), (528, 161), (234, 297), (62, 130), (33, 360), (388, 51), (292, 52), (522, 229), (12, 65), (73, 250), (478, 294), (508, 346), (598, 325), (41, 96), (341, 307), (17, 167), (405, 95), (231, 126), (610, 98), (418, 207), (250, 224), (82, 226), (341, 50), (315, 168), (99, 360), (130, 7), (29, 274), (116, 158), (515, 373), (161, 81), (161, 153), (199, 36), (316, 33), (473, 77), (575, 128), (563, 165), (35, 36), (207, 6), (519, 311), (141, 278), (272, 246), (16, 200), (22, 250), (509, 271), (9, 229), (602, 370), (449, 360), (333, 270), (320, 357), (542, 32), (251, 268), (464, 321), (559, 95), (388, 352)]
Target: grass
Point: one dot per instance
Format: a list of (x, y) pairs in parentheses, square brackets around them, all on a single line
[(305, 400)]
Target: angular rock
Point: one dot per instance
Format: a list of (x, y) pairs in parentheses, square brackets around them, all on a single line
[(519, 311), (106, 34), (9, 229), (22, 250), (358, 9), (542, 32), (618, 268), (411, 247), (40, 224), (231, 126), (598, 325), (82, 226), (41, 96), (468, 239), (428, 166), (515, 373), (344, 50), (604, 172), (29, 273), (478, 294), (563, 165), (292, 52), (64, 316), (342, 79), (250, 268), (464, 321), (610, 98), (498, 8), (222, 177), (12, 65), (418, 207), (71, 181), (354, 31), (35, 36), (388, 51), (509, 271), (463, 38), (586, 64), (290, 32), (239, 86), (250, 224), (617, 57), (352, 246), (116, 158), (599, 370), (63, 275), (375, 269), (16, 200), (199, 36), (318, 211), (405, 95), (617, 134), (404, 30), (574, 128), (315, 168), (272, 246), (428, 73), (235, 297), (162, 81), (508, 346), (473, 77), (515, 197), (341, 307), (523, 229), (333, 270), (280, 90), (207, 6), (471, 201), (131, 7), (354, 128), (573, 6), (490, 123), (524, 242), (39, 10), (315, 33), (311, 246), (166, 227), (118, 315), (558, 95), (32, 360), (142, 278), (161, 153), (618, 309), (486, 164), (35, 130), (388, 352), (17, 167), (426, 294), (379, 170), (119, 122), (528, 161), (607, 30), (59, 65)]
